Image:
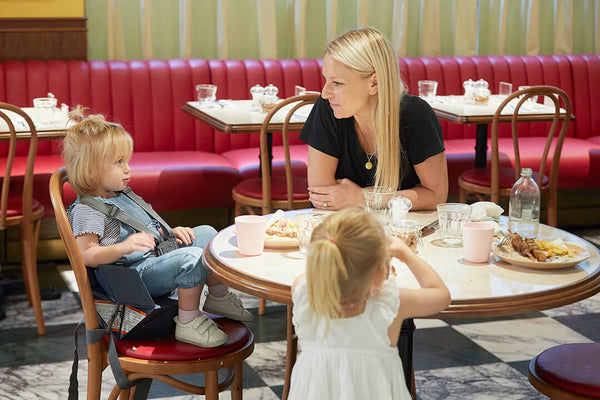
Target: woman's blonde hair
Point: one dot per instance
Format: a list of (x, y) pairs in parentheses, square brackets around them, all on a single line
[(88, 144), (367, 51), (347, 250)]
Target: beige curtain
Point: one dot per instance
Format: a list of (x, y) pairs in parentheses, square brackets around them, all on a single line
[(162, 29)]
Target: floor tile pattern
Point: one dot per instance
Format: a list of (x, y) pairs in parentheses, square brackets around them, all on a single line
[(454, 359)]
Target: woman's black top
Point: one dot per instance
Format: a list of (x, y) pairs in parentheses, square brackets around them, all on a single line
[(420, 137)]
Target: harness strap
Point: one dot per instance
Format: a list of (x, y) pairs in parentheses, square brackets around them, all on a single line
[(146, 207), (142, 386), (115, 212)]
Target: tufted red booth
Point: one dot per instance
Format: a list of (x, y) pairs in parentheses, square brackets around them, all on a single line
[(180, 163)]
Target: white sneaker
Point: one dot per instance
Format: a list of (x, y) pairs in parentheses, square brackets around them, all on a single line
[(229, 306), (201, 331)]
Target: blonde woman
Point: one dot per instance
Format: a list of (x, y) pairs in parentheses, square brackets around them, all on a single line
[(366, 130), (348, 315)]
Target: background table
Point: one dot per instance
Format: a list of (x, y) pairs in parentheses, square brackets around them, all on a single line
[(454, 109), (235, 116), (477, 291), (52, 130)]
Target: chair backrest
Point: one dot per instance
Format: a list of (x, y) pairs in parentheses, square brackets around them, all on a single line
[(516, 107), (16, 120), (298, 101), (97, 358)]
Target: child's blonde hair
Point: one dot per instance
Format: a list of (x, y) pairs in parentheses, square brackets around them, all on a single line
[(367, 51), (88, 144), (347, 250)]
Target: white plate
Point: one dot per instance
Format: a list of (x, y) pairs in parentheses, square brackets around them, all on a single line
[(510, 255), (280, 243)]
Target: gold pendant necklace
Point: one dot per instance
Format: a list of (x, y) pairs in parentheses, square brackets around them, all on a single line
[(369, 164)]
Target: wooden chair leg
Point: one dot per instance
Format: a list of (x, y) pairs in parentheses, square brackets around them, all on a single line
[(236, 385), (462, 196), (211, 385), (292, 350), (29, 235), (262, 306), (94, 375), (551, 217)]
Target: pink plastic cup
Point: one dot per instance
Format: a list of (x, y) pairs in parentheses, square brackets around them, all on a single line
[(477, 241), (250, 232)]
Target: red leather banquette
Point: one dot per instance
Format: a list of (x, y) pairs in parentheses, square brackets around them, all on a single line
[(180, 163)]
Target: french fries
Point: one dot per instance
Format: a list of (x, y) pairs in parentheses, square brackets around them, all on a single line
[(555, 248)]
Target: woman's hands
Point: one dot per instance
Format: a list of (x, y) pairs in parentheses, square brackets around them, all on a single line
[(343, 194), (185, 235)]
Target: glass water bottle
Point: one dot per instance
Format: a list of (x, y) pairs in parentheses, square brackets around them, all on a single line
[(524, 207)]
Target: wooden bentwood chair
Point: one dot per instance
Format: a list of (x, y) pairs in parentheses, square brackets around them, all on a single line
[(153, 359), (267, 192), (496, 181), (19, 208), (270, 193)]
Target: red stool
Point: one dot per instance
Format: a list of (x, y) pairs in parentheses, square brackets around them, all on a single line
[(567, 371)]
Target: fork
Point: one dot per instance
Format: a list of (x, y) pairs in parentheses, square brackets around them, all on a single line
[(504, 240)]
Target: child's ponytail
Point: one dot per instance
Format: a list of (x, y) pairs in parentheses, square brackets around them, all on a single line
[(347, 250), (326, 268)]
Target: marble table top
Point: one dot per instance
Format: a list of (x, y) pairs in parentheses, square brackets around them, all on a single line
[(492, 289)]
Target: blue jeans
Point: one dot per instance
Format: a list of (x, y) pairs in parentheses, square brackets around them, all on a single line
[(181, 268)]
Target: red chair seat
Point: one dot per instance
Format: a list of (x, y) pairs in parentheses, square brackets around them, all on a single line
[(253, 188), (483, 177), (15, 205), (169, 349), (574, 367)]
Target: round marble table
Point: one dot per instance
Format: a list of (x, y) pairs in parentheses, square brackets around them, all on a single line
[(477, 290)]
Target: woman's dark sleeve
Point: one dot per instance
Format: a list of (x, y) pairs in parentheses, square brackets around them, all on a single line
[(320, 129), (421, 130)]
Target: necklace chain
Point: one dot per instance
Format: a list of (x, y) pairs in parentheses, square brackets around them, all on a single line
[(369, 164)]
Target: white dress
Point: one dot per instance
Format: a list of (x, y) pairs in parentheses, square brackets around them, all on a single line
[(354, 360)]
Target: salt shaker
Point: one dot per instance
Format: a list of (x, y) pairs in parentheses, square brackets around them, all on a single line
[(270, 98), (482, 93), (257, 93), (469, 87)]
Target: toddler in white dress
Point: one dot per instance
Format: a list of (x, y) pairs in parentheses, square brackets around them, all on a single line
[(348, 316)]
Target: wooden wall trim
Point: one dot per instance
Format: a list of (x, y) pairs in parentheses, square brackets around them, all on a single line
[(23, 39)]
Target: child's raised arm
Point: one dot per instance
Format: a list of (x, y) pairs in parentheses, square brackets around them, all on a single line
[(433, 296), (93, 254)]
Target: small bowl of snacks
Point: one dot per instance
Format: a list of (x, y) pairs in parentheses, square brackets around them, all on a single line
[(409, 231)]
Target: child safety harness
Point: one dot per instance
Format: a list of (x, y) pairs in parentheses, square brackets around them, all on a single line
[(165, 242), (119, 290)]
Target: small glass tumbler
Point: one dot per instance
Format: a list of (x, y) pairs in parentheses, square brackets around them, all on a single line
[(206, 95), (504, 89), (409, 231), (378, 202), (306, 222), (452, 217), (45, 108), (427, 89)]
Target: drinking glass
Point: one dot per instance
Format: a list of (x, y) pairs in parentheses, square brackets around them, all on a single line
[(427, 89), (451, 217), (206, 94), (306, 222), (44, 108), (532, 100), (409, 231), (377, 202), (504, 89)]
